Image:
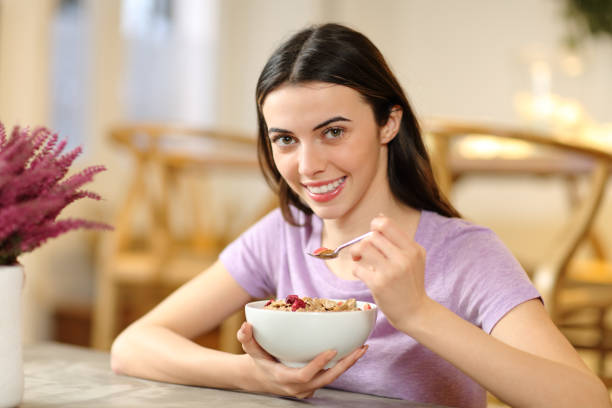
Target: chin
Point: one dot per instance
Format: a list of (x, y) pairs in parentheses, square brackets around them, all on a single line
[(327, 213), (330, 210)]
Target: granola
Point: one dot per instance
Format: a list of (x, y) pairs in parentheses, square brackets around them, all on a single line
[(294, 303)]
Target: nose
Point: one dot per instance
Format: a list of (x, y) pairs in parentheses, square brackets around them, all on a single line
[(311, 160)]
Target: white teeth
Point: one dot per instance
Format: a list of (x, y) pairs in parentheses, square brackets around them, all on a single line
[(327, 187)]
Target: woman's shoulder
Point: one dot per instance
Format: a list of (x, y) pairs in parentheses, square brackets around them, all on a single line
[(452, 238), (274, 221), (273, 229), (436, 227), (265, 246)]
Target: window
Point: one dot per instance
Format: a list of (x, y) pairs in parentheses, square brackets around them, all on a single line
[(170, 60), (69, 72)]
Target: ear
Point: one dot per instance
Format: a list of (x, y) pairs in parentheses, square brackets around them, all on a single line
[(389, 130)]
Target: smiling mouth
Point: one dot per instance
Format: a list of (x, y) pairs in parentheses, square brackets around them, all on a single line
[(327, 191)]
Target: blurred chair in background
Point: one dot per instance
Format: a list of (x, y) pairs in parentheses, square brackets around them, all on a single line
[(577, 292), (191, 192)]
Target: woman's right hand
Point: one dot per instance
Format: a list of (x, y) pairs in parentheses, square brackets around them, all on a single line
[(270, 376)]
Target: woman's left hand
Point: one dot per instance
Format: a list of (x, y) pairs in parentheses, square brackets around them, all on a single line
[(392, 265)]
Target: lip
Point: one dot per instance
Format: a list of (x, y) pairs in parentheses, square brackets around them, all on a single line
[(324, 197)]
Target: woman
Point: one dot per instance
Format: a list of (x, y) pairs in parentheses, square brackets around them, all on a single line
[(340, 144)]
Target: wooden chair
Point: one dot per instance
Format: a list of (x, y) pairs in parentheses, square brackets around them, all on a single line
[(178, 214), (576, 291)]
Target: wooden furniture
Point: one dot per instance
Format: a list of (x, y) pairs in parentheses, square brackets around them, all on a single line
[(576, 292), (191, 192), (59, 375)]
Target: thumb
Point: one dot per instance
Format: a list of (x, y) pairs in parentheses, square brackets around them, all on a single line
[(249, 345)]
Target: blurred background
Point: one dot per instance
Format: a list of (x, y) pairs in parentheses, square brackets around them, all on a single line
[(83, 67)]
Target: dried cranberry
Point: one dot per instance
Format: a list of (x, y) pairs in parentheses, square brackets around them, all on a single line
[(319, 250), (298, 304), (268, 302), (291, 298)]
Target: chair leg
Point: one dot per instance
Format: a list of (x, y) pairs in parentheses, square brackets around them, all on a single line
[(105, 311), (604, 348), (227, 333)]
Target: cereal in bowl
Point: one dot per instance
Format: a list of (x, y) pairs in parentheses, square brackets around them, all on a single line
[(293, 303)]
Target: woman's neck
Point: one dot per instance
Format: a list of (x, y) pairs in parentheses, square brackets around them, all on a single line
[(337, 231)]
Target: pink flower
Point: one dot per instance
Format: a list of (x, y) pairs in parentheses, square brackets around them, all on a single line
[(33, 190)]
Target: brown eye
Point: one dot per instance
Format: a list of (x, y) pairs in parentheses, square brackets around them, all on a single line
[(334, 133), (283, 140)]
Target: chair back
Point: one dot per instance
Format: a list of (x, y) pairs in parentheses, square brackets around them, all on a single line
[(180, 195), (190, 192), (531, 153)]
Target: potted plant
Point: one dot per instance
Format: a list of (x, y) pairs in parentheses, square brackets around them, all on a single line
[(587, 18), (34, 189)]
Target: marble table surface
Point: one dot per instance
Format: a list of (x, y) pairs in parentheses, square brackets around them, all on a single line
[(60, 375)]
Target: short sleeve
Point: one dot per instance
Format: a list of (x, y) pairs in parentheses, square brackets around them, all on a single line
[(253, 257), (487, 281)]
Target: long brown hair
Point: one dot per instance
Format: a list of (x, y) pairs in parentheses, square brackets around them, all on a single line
[(337, 54)]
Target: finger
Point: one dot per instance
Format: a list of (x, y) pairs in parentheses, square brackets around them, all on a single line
[(364, 272), (307, 395), (352, 358), (373, 279), (249, 345), (388, 228), (371, 260), (356, 250), (314, 367), (304, 394), (329, 376), (408, 251), (385, 247), (366, 250), (306, 380)]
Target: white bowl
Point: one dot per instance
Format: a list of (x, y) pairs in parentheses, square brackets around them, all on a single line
[(295, 338)]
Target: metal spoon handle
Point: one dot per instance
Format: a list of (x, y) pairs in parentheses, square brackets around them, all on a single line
[(352, 241)]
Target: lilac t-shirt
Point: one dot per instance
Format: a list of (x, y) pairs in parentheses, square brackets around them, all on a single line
[(468, 270)]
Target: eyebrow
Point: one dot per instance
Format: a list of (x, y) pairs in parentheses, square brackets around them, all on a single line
[(328, 121), (319, 126)]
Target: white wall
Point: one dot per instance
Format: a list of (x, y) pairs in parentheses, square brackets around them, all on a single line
[(463, 59)]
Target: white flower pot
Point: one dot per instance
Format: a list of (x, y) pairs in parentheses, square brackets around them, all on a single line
[(11, 360)]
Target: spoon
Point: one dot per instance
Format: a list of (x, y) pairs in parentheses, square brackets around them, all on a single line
[(326, 253)]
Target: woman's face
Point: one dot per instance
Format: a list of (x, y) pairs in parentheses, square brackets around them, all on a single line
[(328, 147)]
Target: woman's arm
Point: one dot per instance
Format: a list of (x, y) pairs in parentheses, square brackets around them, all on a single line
[(525, 361), (158, 345)]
